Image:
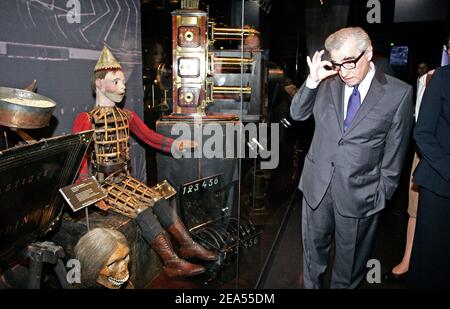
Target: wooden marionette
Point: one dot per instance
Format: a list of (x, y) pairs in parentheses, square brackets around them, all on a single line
[(110, 164)]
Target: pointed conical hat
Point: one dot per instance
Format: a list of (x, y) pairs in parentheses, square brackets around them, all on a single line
[(107, 61)]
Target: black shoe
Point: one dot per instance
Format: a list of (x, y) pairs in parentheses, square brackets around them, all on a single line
[(391, 277)]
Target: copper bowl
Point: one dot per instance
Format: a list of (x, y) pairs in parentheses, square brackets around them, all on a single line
[(24, 109)]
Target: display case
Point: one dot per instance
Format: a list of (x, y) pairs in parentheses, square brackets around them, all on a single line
[(230, 202)]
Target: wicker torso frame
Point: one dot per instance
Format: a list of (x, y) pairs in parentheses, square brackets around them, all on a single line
[(110, 157), (111, 138)]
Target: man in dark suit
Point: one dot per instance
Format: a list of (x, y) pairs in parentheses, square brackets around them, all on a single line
[(363, 120), (430, 256)]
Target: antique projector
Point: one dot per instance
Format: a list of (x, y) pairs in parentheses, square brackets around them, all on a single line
[(193, 64)]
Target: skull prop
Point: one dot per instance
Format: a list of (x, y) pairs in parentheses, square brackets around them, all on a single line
[(115, 273), (103, 255)]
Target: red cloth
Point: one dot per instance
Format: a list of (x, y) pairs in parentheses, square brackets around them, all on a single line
[(148, 136), (137, 126)]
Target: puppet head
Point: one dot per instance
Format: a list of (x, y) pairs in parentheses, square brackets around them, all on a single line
[(103, 255), (108, 80)]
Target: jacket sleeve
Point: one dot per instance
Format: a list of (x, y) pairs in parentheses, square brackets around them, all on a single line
[(303, 103), (148, 136), (82, 123), (396, 144), (425, 131)]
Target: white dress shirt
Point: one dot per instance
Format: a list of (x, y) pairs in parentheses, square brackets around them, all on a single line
[(363, 87), (421, 85)]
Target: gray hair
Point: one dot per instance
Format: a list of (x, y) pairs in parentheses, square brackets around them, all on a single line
[(339, 38), (93, 251)]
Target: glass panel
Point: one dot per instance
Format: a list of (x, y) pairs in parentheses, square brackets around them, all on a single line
[(192, 81), (267, 183), (229, 196)]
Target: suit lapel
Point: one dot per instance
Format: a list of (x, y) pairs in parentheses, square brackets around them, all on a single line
[(337, 93), (376, 91)]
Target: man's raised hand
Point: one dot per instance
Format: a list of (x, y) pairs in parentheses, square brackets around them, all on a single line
[(317, 71)]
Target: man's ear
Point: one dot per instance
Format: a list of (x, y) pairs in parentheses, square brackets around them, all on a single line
[(369, 53)]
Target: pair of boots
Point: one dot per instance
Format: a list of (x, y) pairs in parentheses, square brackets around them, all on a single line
[(174, 265)]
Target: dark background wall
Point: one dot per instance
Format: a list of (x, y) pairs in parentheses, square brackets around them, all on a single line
[(423, 27), (43, 40), (294, 29)]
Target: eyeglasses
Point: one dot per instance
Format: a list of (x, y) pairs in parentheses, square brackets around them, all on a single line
[(348, 65)]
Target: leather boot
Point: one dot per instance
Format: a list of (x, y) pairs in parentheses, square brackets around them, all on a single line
[(188, 247), (173, 265)]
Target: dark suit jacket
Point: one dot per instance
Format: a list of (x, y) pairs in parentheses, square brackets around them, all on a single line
[(432, 134), (365, 161)]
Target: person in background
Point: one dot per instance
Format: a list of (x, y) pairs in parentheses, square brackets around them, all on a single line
[(400, 270), (158, 81), (252, 42), (422, 68), (429, 265)]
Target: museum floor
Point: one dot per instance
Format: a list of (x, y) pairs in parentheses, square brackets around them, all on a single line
[(284, 268)]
